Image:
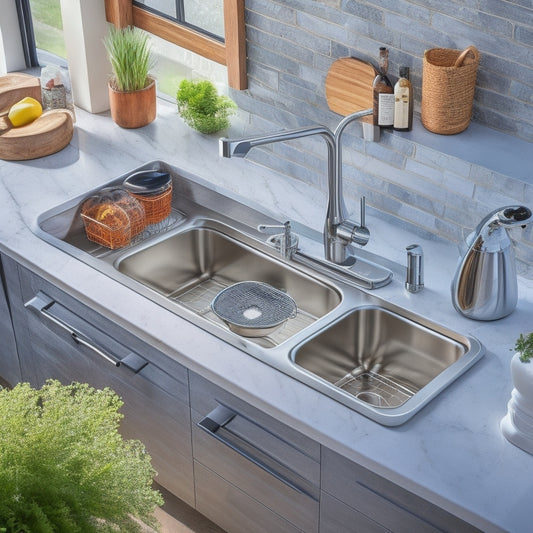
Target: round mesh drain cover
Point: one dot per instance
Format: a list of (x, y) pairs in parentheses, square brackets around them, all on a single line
[(253, 308)]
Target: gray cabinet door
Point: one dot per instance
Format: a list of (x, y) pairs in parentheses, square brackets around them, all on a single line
[(365, 497), (62, 339), (252, 473), (9, 361)]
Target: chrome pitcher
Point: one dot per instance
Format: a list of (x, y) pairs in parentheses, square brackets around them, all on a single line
[(485, 285)]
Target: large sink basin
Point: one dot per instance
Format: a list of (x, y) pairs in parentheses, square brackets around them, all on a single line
[(379, 359), (193, 266)]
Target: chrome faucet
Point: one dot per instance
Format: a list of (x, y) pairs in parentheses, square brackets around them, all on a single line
[(339, 232)]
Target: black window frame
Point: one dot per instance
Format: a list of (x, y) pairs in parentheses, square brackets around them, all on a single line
[(27, 34)]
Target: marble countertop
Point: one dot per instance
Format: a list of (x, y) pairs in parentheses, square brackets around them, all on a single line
[(451, 453)]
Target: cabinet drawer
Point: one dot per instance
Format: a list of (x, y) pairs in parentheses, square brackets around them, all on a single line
[(382, 501), (337, 517), (115, 338), (256, 454), (232, 509)]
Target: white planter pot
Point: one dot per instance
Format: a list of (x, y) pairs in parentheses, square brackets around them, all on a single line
[(517, 424)]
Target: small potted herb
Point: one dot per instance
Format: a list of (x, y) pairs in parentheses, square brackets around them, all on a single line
[(132, 91), (65, 468), (202, 108), (516, 425), (524, 347)]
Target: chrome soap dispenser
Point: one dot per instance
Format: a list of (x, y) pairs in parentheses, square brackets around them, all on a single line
[(485, 285)]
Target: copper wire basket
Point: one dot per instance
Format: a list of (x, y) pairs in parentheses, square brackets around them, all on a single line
[(448, 84), (156, 208), (112, 218)]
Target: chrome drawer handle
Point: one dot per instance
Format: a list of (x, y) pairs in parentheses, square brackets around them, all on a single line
[(218, 418), (42, 303)]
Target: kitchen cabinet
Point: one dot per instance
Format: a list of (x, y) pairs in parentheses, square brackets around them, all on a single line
[(9, 362), (354, 499), (59, 337), (253, 473)]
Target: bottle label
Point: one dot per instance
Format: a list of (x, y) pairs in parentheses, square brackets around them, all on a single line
[(386, 109), (401, 108)]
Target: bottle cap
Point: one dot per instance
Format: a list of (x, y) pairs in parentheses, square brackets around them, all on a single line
[(404, 72)]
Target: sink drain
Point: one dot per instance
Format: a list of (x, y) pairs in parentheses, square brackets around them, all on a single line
[(253, 308), (375, 389)]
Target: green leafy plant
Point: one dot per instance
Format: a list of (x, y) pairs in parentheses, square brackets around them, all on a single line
[(202, 108), (131, 58), (524, 347), (65, 468)]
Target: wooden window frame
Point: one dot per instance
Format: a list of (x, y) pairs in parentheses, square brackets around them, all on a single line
[(231, 53)]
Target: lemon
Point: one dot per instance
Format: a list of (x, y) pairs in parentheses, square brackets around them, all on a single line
[(25, 111)]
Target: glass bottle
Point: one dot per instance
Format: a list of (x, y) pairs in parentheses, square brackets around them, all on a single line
[(403, 102), (383, 93)]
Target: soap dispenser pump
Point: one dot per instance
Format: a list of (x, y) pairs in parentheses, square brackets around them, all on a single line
[(485, 284)]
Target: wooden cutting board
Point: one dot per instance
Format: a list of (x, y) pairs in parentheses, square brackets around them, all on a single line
[(349, 85), (46, 135), (14, 87)]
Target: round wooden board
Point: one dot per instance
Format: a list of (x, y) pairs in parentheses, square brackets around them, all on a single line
[(46, 135), (14, 87), (349, 85)]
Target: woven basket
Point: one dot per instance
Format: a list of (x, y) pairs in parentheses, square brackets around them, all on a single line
[(448, 84), (156, 208)]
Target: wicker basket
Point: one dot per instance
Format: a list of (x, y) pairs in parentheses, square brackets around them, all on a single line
[(448, 84), (156, 208)]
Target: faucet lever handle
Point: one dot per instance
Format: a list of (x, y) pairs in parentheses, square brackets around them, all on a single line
[(363, 212), (273, 228), (286, 242)]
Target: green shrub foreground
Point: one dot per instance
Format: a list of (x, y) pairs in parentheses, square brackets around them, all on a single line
[(64, 467)]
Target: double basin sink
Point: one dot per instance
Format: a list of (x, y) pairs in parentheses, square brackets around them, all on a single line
[(380, 360)]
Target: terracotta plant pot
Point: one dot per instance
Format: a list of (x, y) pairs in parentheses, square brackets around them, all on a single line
[(133, 109), (517, 425)]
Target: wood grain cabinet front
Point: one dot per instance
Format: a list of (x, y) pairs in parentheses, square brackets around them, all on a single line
[(59, 337), (9, 361), (253, 473), (356, 500)]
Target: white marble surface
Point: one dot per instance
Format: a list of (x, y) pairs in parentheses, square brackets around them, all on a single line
[(451, 453)]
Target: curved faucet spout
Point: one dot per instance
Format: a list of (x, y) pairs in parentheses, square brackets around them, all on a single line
[(338, 231), (336, 210), (240, 147)]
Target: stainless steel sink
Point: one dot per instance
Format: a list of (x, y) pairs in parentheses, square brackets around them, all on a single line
[(392, 363), (378, 359), (193, 266)]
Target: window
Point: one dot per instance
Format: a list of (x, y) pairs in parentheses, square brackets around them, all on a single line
[(229, 52), (48, 27), (205, 16)]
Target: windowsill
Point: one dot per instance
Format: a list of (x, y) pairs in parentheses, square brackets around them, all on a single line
[(481, 146)]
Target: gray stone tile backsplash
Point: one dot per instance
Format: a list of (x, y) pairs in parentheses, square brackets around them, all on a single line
[(291, 45)]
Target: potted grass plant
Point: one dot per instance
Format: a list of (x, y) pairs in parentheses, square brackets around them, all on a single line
[(132, 91)]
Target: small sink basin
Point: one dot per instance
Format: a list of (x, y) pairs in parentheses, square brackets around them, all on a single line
[(388, 362), (192, 267)]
